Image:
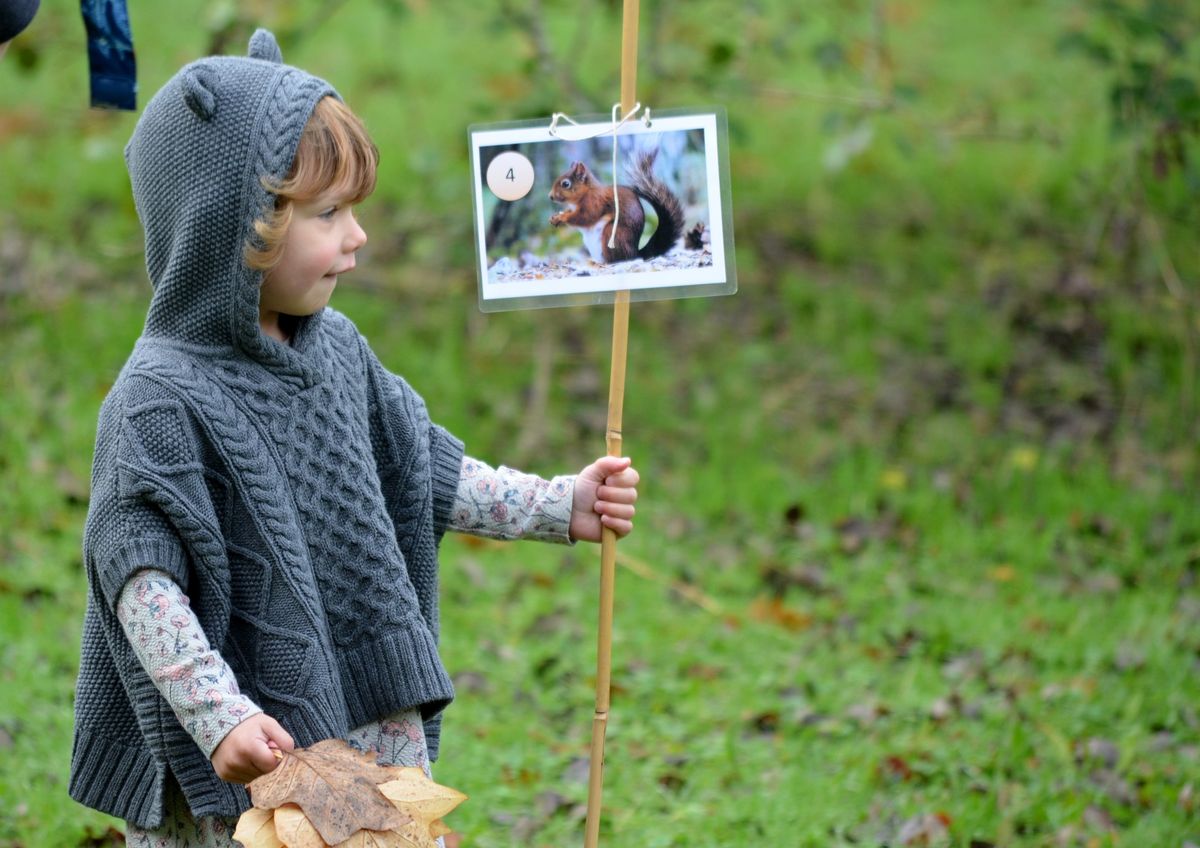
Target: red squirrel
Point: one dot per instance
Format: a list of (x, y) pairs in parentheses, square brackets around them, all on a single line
[(590, 210)]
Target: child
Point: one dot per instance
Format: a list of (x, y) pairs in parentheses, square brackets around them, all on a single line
[(255, 455)]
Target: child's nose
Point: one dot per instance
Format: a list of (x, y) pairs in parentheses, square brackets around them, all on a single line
[(356, 237)]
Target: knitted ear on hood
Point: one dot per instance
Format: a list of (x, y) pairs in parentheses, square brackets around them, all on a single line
[(199, 83), (264, 46)]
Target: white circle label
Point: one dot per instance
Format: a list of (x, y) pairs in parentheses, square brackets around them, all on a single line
[(510, 176)]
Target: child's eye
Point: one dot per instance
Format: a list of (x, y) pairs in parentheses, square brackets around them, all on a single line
[(328, 213)]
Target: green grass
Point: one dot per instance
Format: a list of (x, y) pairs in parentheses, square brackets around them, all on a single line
[(938, 500), (1031, 584)]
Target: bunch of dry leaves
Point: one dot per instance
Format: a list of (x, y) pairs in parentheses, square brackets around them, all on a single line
[(333, 795)]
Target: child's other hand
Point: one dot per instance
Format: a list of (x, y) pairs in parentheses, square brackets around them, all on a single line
[(249, 749), (604, 496)]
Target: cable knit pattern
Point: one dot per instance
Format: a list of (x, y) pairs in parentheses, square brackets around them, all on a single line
[(203, 691), (297, 494), (196, 681)]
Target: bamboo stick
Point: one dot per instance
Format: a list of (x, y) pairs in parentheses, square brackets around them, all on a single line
[(613, 440), (608, 560)]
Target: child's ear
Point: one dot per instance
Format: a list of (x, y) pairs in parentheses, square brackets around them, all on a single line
[(199, 90)]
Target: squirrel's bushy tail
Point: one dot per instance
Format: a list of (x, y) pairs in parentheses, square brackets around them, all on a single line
[(666, 205)]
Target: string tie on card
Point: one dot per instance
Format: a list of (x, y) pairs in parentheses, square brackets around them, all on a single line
[(616, 125)]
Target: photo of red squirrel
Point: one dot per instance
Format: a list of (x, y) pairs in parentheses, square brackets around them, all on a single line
[(589, 208)]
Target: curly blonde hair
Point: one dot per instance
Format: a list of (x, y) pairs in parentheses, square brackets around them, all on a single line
[(334, 150)]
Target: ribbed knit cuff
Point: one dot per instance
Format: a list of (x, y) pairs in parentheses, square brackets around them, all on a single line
[(398, 672), (445, 462), (114, 779), (160, 553)]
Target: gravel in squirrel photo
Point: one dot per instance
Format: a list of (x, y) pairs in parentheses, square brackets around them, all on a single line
[(590, 210)]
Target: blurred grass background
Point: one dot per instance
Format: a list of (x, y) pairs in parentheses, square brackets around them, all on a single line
[(918, 546)]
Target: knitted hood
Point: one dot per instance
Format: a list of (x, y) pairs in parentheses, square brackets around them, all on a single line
[(198, 159)]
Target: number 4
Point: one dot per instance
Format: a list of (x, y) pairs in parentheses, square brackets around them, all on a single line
[(510, 175)]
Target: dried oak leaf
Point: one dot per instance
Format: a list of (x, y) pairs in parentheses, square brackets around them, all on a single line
[(298, 832), (294, 828), (377, 839), (256, 829), (335, 787), (409, 789), (418, 796)]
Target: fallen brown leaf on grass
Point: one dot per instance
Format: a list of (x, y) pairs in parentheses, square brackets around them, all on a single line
[(332, 796), (773, 611)]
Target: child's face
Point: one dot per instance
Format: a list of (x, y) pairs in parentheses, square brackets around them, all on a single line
[(321, 241)]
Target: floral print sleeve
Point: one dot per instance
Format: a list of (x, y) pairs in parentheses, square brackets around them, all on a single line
[(171, 646), (503, 503)]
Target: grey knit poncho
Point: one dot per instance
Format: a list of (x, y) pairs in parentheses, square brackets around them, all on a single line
[(297, 493)]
